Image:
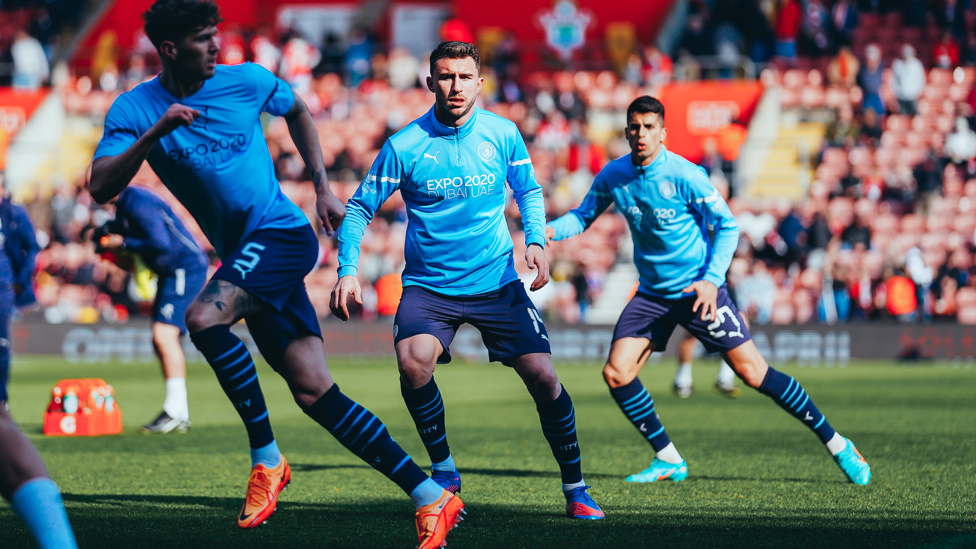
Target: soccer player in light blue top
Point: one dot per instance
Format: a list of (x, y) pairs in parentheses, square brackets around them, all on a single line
[(668, 203), (451, 166), (198, 126)]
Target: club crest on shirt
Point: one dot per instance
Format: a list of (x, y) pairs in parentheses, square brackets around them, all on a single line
[(667, 189), (486, 151)]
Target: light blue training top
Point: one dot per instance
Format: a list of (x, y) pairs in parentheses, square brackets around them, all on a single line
[(452, 181), (219, 168), (668, 206)]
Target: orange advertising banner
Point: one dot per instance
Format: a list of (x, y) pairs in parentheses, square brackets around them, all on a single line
[(695, 111), (16, 107)]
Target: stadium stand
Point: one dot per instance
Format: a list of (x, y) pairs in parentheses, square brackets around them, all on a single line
[(890, 198)]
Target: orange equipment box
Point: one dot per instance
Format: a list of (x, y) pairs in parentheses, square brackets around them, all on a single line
[(82, 407)]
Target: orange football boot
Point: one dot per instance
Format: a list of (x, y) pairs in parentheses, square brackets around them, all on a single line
[(434, 521), (263, 488)]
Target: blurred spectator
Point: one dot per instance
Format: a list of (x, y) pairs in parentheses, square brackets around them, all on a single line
[(264, 52), (402, 69), (921, 275), (960, 145), (658, 69), (899, 296), (753, 296), (909, 80), (816, 29), (843, 69), (789, 17), (730, 141), (297, 59), (871, 130), (967, 57), (928, 183), (357, 57), (857, 233), (728, 46), (843, 17), (871, 77), (31, 68), (697, 38), (844, 130), (945, 53)]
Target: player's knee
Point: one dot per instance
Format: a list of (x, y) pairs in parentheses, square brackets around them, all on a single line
[(751, 369), (416, 367), (616, 376), (198, 319)]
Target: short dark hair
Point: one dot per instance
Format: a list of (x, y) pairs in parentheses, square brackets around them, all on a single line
[(174, 20), (645, 104), (454, 50)]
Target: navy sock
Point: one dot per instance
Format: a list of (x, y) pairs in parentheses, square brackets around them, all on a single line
[(237, 375), (427, 410), (559, 426), (638, 406), (38, 503), (787, 392), (366, 436)]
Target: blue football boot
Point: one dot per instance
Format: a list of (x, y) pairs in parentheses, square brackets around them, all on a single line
[(448, 480), (853, 464), (661, 470), (580, 505)]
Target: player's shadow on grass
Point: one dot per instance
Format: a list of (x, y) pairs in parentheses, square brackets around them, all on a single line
[(308, 467), (521, 473), (694, 478)]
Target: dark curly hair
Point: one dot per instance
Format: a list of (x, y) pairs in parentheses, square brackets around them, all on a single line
[(454, 50), (174, 20)]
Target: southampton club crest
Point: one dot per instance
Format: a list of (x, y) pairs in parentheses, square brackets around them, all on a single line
[(486, 151), (565, 26)]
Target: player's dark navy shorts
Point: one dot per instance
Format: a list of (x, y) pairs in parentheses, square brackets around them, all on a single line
[(509, 323), (174, 293), (271, 265), (654, 318)]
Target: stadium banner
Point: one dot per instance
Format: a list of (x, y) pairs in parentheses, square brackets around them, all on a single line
[(16, 107), (811, 345), (696, 111)]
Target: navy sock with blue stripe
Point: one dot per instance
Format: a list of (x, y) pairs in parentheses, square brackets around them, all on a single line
[(638, 406), (559, 426), (788, 393), (427, 410), (365, 435), (237, 375)]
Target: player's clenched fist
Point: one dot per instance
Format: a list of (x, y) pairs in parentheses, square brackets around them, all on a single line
[(175, 116), (331, 211), (346, 286)]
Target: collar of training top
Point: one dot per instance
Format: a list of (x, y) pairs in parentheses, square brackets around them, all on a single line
[(448, 131)]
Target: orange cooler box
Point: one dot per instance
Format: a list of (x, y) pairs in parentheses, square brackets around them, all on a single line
[(82, 407)]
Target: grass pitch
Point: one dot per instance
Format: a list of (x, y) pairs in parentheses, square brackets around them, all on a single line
[(758, 478)]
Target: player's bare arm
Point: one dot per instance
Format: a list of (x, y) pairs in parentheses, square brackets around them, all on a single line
[(535, 257), (111, 174), (346, 286), (707, 297), (302, 129)]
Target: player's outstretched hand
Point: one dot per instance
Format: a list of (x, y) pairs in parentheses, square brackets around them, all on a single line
[(550, 234), (346, 286), (535, 257), (707, 298), (331, 211), (175, 116)]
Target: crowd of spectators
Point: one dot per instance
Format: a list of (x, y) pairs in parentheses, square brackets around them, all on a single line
[(886, 232)]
